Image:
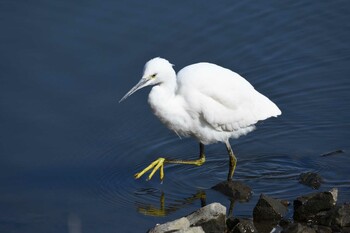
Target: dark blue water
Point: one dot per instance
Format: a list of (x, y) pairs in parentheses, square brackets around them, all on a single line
[(69, 150)]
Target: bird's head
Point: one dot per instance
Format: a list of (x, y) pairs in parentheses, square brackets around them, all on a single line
[(156, 71)]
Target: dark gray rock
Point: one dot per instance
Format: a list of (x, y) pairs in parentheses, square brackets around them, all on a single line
[(306, 207), (288, 225), (267, 226), (298, 228), (310, 179), (237, 225), (338, 217), (322, 229), (284, 223), (211, 218), (234, 189), (269, 209)]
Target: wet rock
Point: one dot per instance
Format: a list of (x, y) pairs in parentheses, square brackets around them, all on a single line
[(298, 228), (237, 225), (306, 207), (173, 226), (234, 189), (211, 218), (310, 179), (269, 209), (338, 217)]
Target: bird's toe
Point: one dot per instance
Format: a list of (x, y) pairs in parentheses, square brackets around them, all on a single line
[(157, 164)]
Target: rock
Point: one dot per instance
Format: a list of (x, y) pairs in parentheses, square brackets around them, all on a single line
[(341, 216), (286, 203), (310, 179), (190, 230), (231, 222), (284, 223), (334, 192), (298, 228), (211, 218), (322, 229), (306, 207), (269, 209), (237, 225), (287, 224), (338, 217), (234, 189), (266, 226), (173, 226)]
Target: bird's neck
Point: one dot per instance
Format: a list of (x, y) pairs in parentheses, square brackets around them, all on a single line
[(162, 95), (169, 86)]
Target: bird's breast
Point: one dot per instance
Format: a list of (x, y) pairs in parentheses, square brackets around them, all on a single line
[(171, 111)]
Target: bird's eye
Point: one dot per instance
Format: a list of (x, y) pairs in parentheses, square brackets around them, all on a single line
[(153, 75)]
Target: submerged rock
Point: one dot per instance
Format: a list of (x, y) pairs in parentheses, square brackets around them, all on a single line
[(269, 209), (310, 179), (307, 207), (234, 189), (238, 225), (335, 152)]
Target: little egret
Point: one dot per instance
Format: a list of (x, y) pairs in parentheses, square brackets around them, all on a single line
[(204, 101)]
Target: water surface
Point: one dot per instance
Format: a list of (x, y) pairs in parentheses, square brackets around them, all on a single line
[(69, 150)]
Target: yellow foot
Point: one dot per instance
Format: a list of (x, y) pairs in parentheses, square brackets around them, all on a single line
[(157, 164)]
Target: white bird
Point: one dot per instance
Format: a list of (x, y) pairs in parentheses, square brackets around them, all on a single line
[(204, 101)]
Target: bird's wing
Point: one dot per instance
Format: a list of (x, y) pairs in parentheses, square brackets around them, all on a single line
[(224, 100)]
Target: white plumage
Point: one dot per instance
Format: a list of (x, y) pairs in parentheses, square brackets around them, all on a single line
[(209, 102), (204, 100)]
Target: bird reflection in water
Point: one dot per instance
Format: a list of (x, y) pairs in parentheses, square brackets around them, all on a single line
[(163, 209)]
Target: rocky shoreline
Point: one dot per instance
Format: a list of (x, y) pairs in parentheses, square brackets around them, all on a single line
[(316, 212)]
